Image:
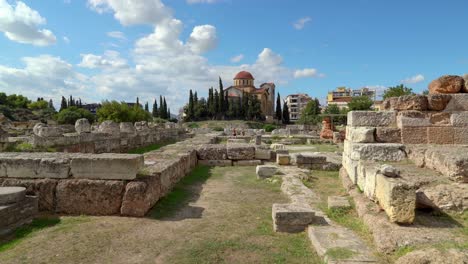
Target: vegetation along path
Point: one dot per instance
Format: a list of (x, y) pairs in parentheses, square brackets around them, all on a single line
[(214, 215)]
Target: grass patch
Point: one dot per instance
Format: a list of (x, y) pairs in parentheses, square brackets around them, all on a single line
[(151, 147), (340, 253), (181, 194), (38, 224), (27, 147)]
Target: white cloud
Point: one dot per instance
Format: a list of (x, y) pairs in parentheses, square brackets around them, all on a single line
[(202, 39), (132, 12), (66, 40), (110, 59), (414, 79), (117, 35), (202, 1), (308, 72), (300, 23), (21, 24), (237, 58)]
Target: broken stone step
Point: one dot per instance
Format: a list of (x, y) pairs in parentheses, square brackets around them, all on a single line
[(293, 218), (10, 195), (336, 244), (338, 202)]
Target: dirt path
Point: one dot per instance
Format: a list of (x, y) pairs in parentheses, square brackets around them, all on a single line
[(225, 219)]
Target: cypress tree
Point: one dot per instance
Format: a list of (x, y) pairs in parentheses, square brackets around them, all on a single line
[(165, 108), (63, 104), (161, 107), (216, 103), (146, 107), (51, 105), (190, 110), (285, 114), (169, 113), (278, 108), (222, 105), (155, 109), (226, 102), (195, 99)]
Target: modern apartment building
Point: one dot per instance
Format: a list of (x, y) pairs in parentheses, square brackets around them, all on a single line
[(296, 103), (342, 95)]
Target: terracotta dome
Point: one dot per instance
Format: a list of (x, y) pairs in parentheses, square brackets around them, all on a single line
[(244, 75)]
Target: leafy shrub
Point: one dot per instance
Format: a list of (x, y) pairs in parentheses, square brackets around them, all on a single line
[(193, 125), (73, 113), (38, 105), (269, 127), (121, 112), (218, 129)]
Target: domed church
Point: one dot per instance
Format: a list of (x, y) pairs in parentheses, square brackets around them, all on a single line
[(244, 83)]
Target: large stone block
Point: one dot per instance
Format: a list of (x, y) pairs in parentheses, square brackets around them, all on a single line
[(93, 197), (9, 195), (459, 102), (440, 119), (371, 172), (447, 84), (414, 135), (82, 126), (292, 218), (397, 198), (265, 171), (460, 136), (405, 121), (283, 159), (263, 154), (106, 166), (140, 196), (407, 102), (15, 215), (109, 127), (351, 167), (360, 134), (443, 197), (388, 135), (371, 119), (212, 152), (44, 189), (459, 119), (377, 152), (438, 102), (450, 161), (240, 151), (308, 158), (440, 135)]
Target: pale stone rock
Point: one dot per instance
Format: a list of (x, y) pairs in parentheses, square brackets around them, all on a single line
[(282, 159), (212, 152), (265, 171), (452, 162), (371, 118), (438, 102), (404, 121), (389, 171), (247, 162), (240, 151), (82, 126), (106, 166), (307, 158), (43, 130), (277, 146), (406, 102), (292, 218), (397, 198), (109, 127), (459, 119), (434, 256), (459, 102), (9, 195), (360, 134), (378, 152), (444, 197), (262, 154), (127, 127), (44, 189), (388, 135), (447, 84)]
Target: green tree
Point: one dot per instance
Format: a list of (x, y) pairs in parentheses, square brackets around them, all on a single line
[(165, 109), (397, 91), (155, 109), (216, 103), (17, 101), (121, 112), (63, 104), (310, 114), (222, 105), (190, 115), (73, 113), (425, 92), (41, 104), (279, 113), (161, 105), (146, 107), (51, 105), (285, 113), (360, 103)]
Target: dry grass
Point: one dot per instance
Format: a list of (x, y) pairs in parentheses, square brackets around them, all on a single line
[(226, 218)]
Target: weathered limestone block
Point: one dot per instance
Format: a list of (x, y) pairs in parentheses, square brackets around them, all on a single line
[(282, 159), (215, 163), (127, 127), (397, 198), (258, 140), (142, 127), (371, 171), (247, 162), (440, 135), (266, 171), (460, 136), (444, 197), (42, 130), (447, 84), (92, 197), (106, 166), (360, 134), (292, 218), (388, 135), (17, 214), (9, 195), (404, 121), (351, 167), (335, 202), (378, 152), (277, 146), (82, 126), (44, 189), (459, 119), (414, 135), (109, 127), (459, 102), (212, 152), (406, 102), (140, 196), (417, 155), (451, 162), (236, 141), (307, 158), (371, 119), (262, 154), (438, 102), (35, 165), (440, 119), (434, 256), (240, 151)]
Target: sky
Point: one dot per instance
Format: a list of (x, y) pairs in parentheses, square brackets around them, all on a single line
[(123, 49)]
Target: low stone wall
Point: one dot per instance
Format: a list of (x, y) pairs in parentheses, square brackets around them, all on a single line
[(16, 209)]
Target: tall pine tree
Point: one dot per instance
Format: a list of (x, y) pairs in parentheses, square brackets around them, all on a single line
[(165, 108), (285, 114), (51, 105), (279, 114), (155, 109), (161, 110), (63, 104), (216, 103), (190, 110), (222, 105), (146, 107)]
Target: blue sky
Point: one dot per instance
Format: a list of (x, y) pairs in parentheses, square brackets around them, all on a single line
[(105, 49)]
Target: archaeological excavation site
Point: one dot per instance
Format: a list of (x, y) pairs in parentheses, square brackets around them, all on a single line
[(386, 186)]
